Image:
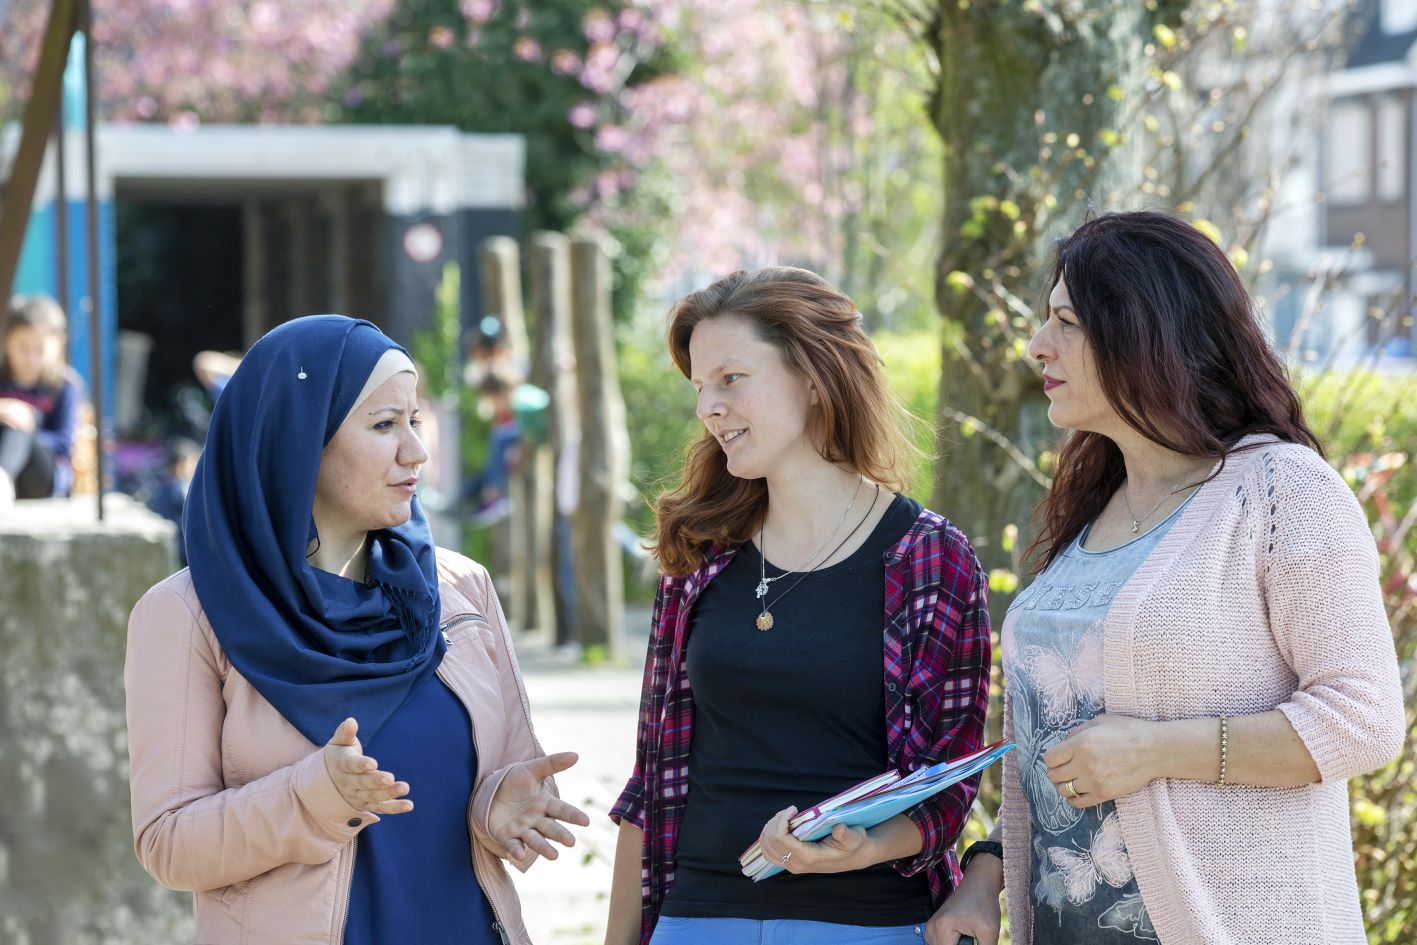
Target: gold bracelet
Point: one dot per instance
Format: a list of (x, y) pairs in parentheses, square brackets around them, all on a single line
[(1224, 749)]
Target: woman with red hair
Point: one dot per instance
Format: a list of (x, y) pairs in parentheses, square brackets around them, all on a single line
[(813, 627)]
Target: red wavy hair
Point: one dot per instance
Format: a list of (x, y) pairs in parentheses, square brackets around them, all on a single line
[(857, 422)]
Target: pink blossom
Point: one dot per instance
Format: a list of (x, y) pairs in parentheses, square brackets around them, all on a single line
[(565, 62), (600, 73), (611, 139), (526, 49), (479, 11), (264, 17), (441, 37), (581, 115), (598, 26)]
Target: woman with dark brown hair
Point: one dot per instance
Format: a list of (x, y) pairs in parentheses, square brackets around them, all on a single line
[(1203, 658), (773, 680)]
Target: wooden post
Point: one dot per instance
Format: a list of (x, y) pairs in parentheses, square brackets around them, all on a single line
[(502, 291), (550, 325), (500, 265), (604, 452)]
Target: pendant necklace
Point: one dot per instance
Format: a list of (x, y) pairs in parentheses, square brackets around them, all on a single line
[(765, 619), (1178, 487), (764, 581)]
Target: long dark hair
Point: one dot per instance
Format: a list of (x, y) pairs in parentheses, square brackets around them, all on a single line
[(857, 422), (1179, 352)]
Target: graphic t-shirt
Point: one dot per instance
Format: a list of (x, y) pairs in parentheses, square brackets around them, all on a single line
[(1082, 888)]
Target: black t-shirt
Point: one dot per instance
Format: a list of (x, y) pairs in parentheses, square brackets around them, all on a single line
[(786, 717)]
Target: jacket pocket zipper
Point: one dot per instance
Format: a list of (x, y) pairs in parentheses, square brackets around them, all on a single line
[(460, 618)]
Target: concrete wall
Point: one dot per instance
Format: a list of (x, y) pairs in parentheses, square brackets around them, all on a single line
[(67, 871)]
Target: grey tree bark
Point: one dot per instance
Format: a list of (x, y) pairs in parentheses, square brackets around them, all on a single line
[(550, 349), (604, 452), (1015, 83)]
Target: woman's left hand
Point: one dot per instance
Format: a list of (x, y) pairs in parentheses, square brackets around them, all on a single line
[(1103, 759), (525, 815), (846, 848)]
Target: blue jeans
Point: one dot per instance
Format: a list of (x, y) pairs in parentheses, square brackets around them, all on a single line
[(672, 930)]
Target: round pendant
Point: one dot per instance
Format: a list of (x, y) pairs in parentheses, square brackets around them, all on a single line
[(765, 620)]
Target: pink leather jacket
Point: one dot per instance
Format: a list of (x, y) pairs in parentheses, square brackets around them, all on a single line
[(231, 802)]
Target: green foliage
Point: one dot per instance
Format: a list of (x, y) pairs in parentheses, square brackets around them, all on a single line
[(437, 352), (513, 67), (659, 404), (1368, 423)]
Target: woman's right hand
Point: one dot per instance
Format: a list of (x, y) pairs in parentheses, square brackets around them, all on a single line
[(972, 909), (357, 776)]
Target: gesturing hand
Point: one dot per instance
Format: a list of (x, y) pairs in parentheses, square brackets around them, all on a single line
[(524, 814), (357, 776)]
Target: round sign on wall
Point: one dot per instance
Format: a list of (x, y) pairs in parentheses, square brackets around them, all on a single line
[(423, 242)]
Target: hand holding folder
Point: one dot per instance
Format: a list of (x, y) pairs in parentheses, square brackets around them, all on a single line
[(873, 801)]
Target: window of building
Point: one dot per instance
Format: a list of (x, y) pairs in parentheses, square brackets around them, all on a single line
[(1398, 16), (1392, 148), (1348, 168)]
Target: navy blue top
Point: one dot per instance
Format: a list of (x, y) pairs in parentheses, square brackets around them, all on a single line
[(413, 878)]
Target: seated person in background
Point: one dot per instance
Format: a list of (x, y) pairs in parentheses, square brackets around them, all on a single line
[(39, 401)]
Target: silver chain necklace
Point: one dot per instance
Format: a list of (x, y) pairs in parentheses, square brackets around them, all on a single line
[(765, 619), (764, 581), (1181, 485)]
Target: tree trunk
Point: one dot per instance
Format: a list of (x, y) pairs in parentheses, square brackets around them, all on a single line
[(550, 348), (500, 263), (604, 452), (1008, 78)]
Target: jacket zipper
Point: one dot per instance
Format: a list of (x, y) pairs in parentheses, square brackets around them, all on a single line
[(354, 854), (497, 926), (348, 893), (460, 618)]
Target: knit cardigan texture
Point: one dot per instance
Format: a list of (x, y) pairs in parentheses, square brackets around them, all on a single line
[(1263, 595)]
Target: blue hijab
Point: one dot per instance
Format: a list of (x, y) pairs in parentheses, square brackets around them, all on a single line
[(319, 647)]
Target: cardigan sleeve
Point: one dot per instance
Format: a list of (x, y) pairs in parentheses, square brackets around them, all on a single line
[(1320, 577), (961, 654)]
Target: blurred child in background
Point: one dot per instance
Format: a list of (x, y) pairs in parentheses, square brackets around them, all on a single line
[(39, 401)]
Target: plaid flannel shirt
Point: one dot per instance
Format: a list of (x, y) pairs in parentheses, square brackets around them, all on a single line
[(936, 689)]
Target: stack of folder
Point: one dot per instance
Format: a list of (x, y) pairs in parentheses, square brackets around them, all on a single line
[(873, 801)]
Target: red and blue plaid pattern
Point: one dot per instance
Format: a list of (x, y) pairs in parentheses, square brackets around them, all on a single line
[(936, 687)]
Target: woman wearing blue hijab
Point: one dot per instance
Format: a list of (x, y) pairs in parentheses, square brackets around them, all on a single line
[(317, 612)]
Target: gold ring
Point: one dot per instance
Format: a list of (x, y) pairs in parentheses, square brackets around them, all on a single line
[(1072, 788)]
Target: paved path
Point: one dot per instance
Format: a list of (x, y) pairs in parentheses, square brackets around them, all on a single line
[(591, 711)]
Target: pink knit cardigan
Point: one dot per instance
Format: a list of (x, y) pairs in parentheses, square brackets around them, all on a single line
[(1264, 594)]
